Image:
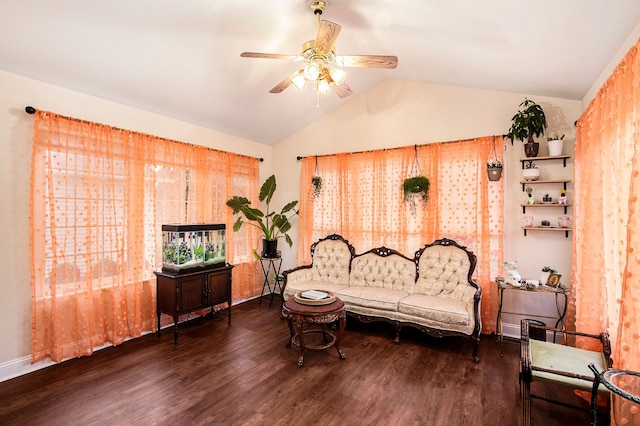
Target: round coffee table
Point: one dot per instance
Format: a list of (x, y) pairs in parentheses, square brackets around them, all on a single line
[(297, 315)]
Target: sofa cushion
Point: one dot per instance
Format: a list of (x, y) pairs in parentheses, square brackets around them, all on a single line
[(294, 287), (392, 272), (441, 309), (331, 260), (371, 297), (441, 269)]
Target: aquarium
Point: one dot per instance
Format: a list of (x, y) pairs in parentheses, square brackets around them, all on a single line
[(186, 247)]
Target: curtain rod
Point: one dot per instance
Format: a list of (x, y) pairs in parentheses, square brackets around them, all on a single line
[(393, 149), (31, 110)]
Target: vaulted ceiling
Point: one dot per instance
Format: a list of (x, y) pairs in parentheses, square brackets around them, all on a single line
[(182, 58)]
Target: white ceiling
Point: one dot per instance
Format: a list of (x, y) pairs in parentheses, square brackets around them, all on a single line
[(181, 58)]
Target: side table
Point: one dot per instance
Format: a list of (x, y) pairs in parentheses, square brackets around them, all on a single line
[(560, 307), (624, 386), (299, 315), (272, 284)]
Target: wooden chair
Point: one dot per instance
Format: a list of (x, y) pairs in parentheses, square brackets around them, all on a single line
[(557, 363)]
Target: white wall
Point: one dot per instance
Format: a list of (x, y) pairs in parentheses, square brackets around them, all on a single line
[(403, 113), (15, 156)]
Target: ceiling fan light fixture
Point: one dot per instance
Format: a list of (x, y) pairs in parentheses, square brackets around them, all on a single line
[(322, 86), (299, 80), (312, 71), (338, 76)]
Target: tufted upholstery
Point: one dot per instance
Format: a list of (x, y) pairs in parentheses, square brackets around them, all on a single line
[(331, 259), (394, 272), (443, 271), (433, 291)]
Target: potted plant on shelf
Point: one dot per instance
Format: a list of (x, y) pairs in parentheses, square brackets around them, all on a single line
[(527, 123), (273, 225), (555, 144), (531, 171)]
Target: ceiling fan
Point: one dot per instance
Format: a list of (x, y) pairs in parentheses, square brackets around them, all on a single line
[(321, 61)]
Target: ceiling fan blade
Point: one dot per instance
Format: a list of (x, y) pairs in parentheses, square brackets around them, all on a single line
[(327, 35), (284, 83), (270, 56), (367, 61), (342, 91)]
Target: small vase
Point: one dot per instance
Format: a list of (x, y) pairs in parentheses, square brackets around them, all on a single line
[(531, 174), (544, 277), (555, 147), (531, 149)]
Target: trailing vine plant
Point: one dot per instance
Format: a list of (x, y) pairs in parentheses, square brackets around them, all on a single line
[(316, 182), (415, 188)]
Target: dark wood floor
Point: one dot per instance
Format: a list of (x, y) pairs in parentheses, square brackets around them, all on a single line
[(243, 374)]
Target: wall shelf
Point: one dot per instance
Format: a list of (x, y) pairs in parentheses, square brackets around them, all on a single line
[(564, 182), (553, 157), (546, 228), (524, 206)]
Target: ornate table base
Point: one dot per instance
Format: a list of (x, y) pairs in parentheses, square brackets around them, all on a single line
[(297, 315)]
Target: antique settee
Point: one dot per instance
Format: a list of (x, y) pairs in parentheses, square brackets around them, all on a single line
[(433, 291)]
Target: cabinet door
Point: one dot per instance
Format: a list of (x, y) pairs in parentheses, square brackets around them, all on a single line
[(192, 294), (219, 287)]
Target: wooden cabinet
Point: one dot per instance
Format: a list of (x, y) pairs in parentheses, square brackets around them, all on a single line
[(181, 293)]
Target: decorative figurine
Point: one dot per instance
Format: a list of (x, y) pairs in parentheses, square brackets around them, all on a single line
[(530, 199), (562, 199)]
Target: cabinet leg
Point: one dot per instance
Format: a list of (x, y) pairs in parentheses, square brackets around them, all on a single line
[(158, 330), (175, 329)]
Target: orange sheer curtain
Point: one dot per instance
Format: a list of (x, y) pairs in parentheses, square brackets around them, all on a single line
[(99, 197), (361, 199), (606, 265)]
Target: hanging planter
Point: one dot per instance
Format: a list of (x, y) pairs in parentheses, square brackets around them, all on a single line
[(494, 166), (416, 187), (316, 182)]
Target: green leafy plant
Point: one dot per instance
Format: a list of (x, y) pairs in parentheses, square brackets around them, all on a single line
[(549, 269), (529, 122), (556, 137), (530, 165), (494, 164), (316, 182), (416, 186), (273, 225)]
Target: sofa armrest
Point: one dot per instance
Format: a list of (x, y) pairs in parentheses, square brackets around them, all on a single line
[(296, 275)]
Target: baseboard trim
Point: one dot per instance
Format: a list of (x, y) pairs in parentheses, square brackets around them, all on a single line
[(21, 366)]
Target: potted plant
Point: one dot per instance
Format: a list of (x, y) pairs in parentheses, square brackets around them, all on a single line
[(415, 189), (527, 123), (555, 144), (316, 182), (494, 169), (531, 171), (544, 274), (273, 225)]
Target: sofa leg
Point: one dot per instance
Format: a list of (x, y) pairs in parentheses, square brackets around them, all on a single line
[(397, 339), (475, 351)]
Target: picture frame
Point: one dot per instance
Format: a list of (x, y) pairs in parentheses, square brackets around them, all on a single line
[(553, 280)]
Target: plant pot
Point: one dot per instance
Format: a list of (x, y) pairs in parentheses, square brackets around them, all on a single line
[(494, 174), (555, 147), (531, 149), (544, 277), (531, 174), (270, 248)]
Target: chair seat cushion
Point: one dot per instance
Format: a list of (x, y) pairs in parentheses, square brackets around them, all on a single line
[(553, 356)]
